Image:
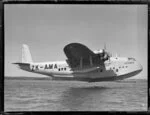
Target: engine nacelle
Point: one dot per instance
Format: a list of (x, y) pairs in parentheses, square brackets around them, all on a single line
[(102, 54), (99, 51)]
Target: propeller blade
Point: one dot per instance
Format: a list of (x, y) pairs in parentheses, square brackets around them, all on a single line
[(105, 46)]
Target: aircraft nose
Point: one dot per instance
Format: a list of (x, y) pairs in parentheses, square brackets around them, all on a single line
[(140, 67)]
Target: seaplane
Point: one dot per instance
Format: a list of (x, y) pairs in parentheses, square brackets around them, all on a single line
[(82, 64)]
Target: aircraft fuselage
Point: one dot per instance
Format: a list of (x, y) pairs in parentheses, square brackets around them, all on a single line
[(116, 68)]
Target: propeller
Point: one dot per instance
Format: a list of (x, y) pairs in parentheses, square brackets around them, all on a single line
[(103, 54), (106, 55)]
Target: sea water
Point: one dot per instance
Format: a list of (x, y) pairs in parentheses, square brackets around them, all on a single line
[(47, 95)]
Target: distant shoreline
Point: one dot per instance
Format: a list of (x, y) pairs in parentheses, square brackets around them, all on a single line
[(27, 78)]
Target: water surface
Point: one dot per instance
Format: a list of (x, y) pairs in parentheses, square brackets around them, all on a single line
[(47, 95)]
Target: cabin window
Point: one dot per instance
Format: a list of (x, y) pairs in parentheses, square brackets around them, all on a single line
[(113, 67), (101, 70), (65, 69), (116, 70), (62, 69), (59, 69), (132, 59)]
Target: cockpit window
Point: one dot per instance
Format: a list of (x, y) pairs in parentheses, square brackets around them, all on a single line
[(131, 59)]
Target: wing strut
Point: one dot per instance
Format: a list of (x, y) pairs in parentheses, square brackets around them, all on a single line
[(81, 62), (91, 61)]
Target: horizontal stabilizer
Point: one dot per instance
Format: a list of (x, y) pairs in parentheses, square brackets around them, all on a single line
[(21, 64)]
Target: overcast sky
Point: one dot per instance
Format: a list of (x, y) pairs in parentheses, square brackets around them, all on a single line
[(48, 28)]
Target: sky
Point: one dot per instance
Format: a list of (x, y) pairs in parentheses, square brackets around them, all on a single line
[(48, 28)]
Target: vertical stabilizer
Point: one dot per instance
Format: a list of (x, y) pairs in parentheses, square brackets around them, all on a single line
[(26, 55)]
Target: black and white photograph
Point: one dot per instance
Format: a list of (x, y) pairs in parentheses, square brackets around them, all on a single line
[(75, 57)]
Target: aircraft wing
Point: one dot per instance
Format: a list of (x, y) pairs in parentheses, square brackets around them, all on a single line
[(76, 51)]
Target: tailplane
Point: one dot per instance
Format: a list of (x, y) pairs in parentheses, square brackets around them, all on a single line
[(26, 55)]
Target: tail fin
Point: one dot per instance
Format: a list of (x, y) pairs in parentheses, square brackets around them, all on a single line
[(26, 55)]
